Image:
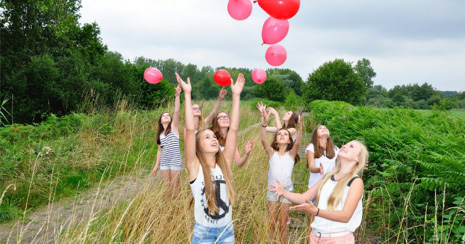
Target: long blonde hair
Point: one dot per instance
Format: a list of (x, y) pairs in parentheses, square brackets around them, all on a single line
[(336, 195), (210, 193)]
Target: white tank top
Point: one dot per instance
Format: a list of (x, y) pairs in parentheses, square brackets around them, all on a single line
[(201, 212), (281, 168), (328, 226), (328, 164)]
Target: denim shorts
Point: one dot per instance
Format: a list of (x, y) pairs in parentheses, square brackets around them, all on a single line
[(272, 198), (171, 167), (208, 235)]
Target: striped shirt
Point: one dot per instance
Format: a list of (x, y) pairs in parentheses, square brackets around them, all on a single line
[(170, 152)]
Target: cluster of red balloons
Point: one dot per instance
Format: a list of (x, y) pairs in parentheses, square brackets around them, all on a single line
[(274, 29)]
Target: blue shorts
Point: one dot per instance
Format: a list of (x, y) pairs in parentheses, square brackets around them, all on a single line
[(208, 235), (171, 167)]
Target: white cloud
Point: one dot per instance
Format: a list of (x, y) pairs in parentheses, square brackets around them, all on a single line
[(407, 42)]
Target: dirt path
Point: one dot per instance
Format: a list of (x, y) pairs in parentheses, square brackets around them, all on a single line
[(43, 224)]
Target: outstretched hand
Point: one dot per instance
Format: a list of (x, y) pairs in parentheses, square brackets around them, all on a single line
[(237, 87), (261, 107), (278, 189), (186, 87), (249, 147), (222, 93), (307, 207), (299, 122), (177, 90)]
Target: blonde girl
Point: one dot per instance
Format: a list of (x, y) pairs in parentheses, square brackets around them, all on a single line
[(210, 175), (282, 155), (338, 208)]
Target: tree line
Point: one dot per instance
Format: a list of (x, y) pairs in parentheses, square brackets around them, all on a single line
[(52, 64)]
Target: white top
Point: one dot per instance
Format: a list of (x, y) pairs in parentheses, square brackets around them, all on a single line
[(202, 214), (281, 168), (328, 226), (328, 164)]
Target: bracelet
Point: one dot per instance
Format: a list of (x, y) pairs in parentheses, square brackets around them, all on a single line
[(317, 212), (264, 126)]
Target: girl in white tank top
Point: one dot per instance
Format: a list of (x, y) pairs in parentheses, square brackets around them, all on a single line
[(282, 155), (210, 173), (338, 208)]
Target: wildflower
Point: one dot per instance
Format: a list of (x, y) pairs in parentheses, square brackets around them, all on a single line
[(344, 117)]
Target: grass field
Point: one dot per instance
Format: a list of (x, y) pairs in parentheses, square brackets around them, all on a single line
[(119, 143)]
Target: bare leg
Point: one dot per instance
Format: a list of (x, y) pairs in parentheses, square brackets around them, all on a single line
[(284, 212), (273, 217), (165, 175), (175, 178)]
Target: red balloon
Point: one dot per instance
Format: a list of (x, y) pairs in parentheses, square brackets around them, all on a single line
[(280, 9), (239, 9), (222, 77), (258, 76), (153, 75), (274, 30), (276, 55)]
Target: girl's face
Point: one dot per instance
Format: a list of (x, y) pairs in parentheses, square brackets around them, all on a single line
[(287, 115), (322, 131), (350, 151), (283, 137), (223, 120), (165, 118), (208, 141), (197, 110)]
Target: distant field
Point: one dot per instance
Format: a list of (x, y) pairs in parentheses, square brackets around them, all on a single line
[(454, 113)]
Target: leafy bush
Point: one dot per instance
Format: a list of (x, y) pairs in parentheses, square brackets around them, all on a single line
[(414, 157)]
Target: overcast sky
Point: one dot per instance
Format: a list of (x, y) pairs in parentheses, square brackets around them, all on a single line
[(413, 41)]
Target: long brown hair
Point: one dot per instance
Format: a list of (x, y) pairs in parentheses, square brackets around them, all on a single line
[(292, 121), (217, 130), (210, 193), (336, 195), (274, 145), (319, 151), (201, 122), (161, 128)]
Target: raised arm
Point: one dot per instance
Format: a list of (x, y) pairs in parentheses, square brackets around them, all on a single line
[(266, 146), (298, 139), (231, 138), (260, 107), (189, 141), (353, 197), (240, 161), (208, 120), (276, 118), (177, 107)]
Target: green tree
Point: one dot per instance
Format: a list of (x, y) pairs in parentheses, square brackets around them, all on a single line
[(363, 69), (271, 89), (335, 80), (290, 78)]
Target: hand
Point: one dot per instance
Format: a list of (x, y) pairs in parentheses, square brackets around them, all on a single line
[(271, 110), (261, 107), (185, 86), (249, 147), (307, 207), (240, 82), (299, 122), (177, 90), (155, 171), (265, 116), (278, 189), (322, 171), (222, 94)]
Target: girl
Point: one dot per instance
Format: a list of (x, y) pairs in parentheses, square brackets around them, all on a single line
[(168, 154), (210, 175), (220, 127), (321, 154), (282, 155), (338, 208), (290, 119), (201, 123)]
